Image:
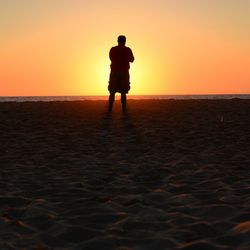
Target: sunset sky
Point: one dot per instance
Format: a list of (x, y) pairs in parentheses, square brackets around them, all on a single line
[(60, 47)]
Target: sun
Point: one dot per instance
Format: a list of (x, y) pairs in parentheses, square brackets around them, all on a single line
[(91, 76)]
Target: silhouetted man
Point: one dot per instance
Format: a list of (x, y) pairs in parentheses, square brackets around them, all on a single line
[(120, 57)]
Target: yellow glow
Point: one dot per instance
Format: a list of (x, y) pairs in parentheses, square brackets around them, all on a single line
[(91, 76)]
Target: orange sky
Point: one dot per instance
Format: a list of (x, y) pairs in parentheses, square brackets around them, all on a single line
[(61, 47)]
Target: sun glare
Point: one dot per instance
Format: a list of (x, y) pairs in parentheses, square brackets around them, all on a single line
[(148, 74), (62, 49)]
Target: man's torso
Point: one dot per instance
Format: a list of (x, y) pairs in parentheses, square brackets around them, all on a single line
[(120, 57)]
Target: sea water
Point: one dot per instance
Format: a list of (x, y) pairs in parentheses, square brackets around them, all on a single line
[(137, 97)]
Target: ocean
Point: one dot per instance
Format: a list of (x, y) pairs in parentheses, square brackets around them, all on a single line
[(82, 98)]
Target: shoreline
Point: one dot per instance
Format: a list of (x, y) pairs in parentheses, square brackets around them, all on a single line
[(129, 97)]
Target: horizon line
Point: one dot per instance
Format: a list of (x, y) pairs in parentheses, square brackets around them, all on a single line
[(6, 96)]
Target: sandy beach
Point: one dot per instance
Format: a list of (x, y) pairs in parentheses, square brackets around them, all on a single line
[(168, 174)]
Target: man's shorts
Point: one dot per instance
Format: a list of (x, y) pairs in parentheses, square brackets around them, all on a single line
[(119, 82)]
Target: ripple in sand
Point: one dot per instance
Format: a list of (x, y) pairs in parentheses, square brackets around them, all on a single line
[(180, 235), (216, 211), (100, 218), (154, 243), (15, 213), (180, 219), (222, 226), (200, 245), (243, 227), (77, 234), (202, 230), (13, 201), (52, 242), (135, 225), (244, 216), (233, 240)]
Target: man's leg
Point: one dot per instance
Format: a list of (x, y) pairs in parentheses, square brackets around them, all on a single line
[(111, 100), (123, 101)]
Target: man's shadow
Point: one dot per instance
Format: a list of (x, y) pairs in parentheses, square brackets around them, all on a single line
[(119, 131)]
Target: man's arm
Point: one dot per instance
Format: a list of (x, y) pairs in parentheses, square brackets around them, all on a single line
[(131, 56), (111, 54)]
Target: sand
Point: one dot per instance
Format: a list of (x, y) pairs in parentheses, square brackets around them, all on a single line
[(168, 174)]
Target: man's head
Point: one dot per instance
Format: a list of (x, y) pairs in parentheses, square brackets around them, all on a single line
[(121, 40)]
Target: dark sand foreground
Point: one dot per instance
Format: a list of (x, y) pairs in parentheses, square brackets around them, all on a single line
[(167, 175)]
